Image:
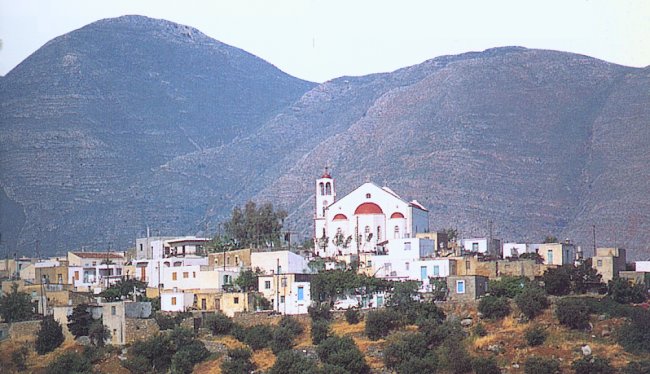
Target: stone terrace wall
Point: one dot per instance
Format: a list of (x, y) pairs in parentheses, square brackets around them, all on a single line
[(24, 331), (140, 329)]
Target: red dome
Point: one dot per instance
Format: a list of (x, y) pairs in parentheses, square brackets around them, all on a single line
[(339, 217), (397, 215), (368, 208)]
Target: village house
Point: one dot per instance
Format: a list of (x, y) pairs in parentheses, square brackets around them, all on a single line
[(289, 293), (609, 262), (466, 287), (558, 253), (128, 321), (279, 262), (95, 271)]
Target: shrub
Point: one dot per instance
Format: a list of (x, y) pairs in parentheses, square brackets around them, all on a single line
[(485, 365), (608, 307), (634, 335), (320, 311), (572, 313), (218, 323), (50, 336), (621, 291), (380, 322), (532, 301), (79, 320), (535, 336), (437, 334), (145, 355), (352, 316), (19, 358), (592, 365), (541, 365), (637, 367), (282, 340), (291, 362), (258, 336), (238, 332), (494, 307), (507, 286), (479, 330), (186, 357), (319, 331), (454, 357), (70, 362), (418, 365), (403, 348), (344, 353), (238, 362), (557, 281), (291, 324), (428, 311)]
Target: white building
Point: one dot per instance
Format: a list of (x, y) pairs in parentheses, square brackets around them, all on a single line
[(168, 246), (483, 245), (279, 262), (642, 266), (95, 270), (288, 293), (410, 259), (153, 271), (365, 217)]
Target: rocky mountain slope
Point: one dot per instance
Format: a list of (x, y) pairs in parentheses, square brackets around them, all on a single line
[(133, 122)]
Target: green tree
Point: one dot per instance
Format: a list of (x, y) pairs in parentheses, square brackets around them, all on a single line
[(342, 352), (70, 362), (218, 323), (238, 362), (98, 333), (256, 226), (320, 330), (404, 347), (19, 358), (15, 306), (592, 365), (535, 336), (247, 280), (380, 322), (573, 313), (634, 335), (507, 286), (557, 281), (485, 365), (187, 356), (124, 289), (541, 365), (621, 291), (532, 301), (585, 278), (291, 362), (80, 320), (50, 336), (494, 307)]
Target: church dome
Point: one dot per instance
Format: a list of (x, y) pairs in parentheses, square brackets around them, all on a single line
[(339, 216), (368, 208), (397, 215)]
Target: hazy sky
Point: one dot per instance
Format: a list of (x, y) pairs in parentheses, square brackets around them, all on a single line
[(323, 39)]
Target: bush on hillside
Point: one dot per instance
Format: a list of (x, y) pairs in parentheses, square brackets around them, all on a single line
[(291, 324), (535, 336), (218, 323), (418, 365), (320, 311), (380, 322), (573, 313), (479, 330), (485, 365), (557, 281), (352, 316), (634, 335), (507, 286), (532, 301), (541, 365), (637, 367), (342, 352), (70, 362), (50, 336), (623, 292), (238, 362), (292, 362), (403, 347), (494, 307), (320, 330), (592, 365)]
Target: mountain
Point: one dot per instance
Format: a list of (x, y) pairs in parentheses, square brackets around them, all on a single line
[(538, 142), (93, 113)]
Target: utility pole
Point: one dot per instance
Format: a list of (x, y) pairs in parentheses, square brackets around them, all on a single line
[(593, 227)]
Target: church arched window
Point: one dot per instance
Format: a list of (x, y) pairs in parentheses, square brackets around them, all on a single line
[(322, 188), (378, 233), (396, 232), (328, 188), (367, 230)]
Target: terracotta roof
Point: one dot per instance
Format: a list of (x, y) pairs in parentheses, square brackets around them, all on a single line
[(99, 255), (339, 216), (368, 208), (397, 215)]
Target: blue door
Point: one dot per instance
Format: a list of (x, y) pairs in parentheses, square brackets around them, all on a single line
[(423, 272), (301, 293)]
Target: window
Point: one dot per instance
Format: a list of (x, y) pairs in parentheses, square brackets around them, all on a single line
[(436, 270), (599, 263), (368, 196), (235, 300), (267, 285), (369, 263), (460, 286), (284, 282), (282, 299), (322, 188), (186, 274), (407, 265), (407, 246), (113, 311), (367, 230), (76, 275), (140, 247), (174, 276), (549, 256), (474, 247), (236, 260), (468, 265), (227, 260), (94, 263), (301, 293), (328, 188), (396, 234), (423, 273), (378, 233), (194, 274)]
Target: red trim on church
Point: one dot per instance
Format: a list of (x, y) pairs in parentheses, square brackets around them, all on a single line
[(368, 208), (397, 215), (339, 217)]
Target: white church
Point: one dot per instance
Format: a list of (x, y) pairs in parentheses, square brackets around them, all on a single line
[(365, 218)]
